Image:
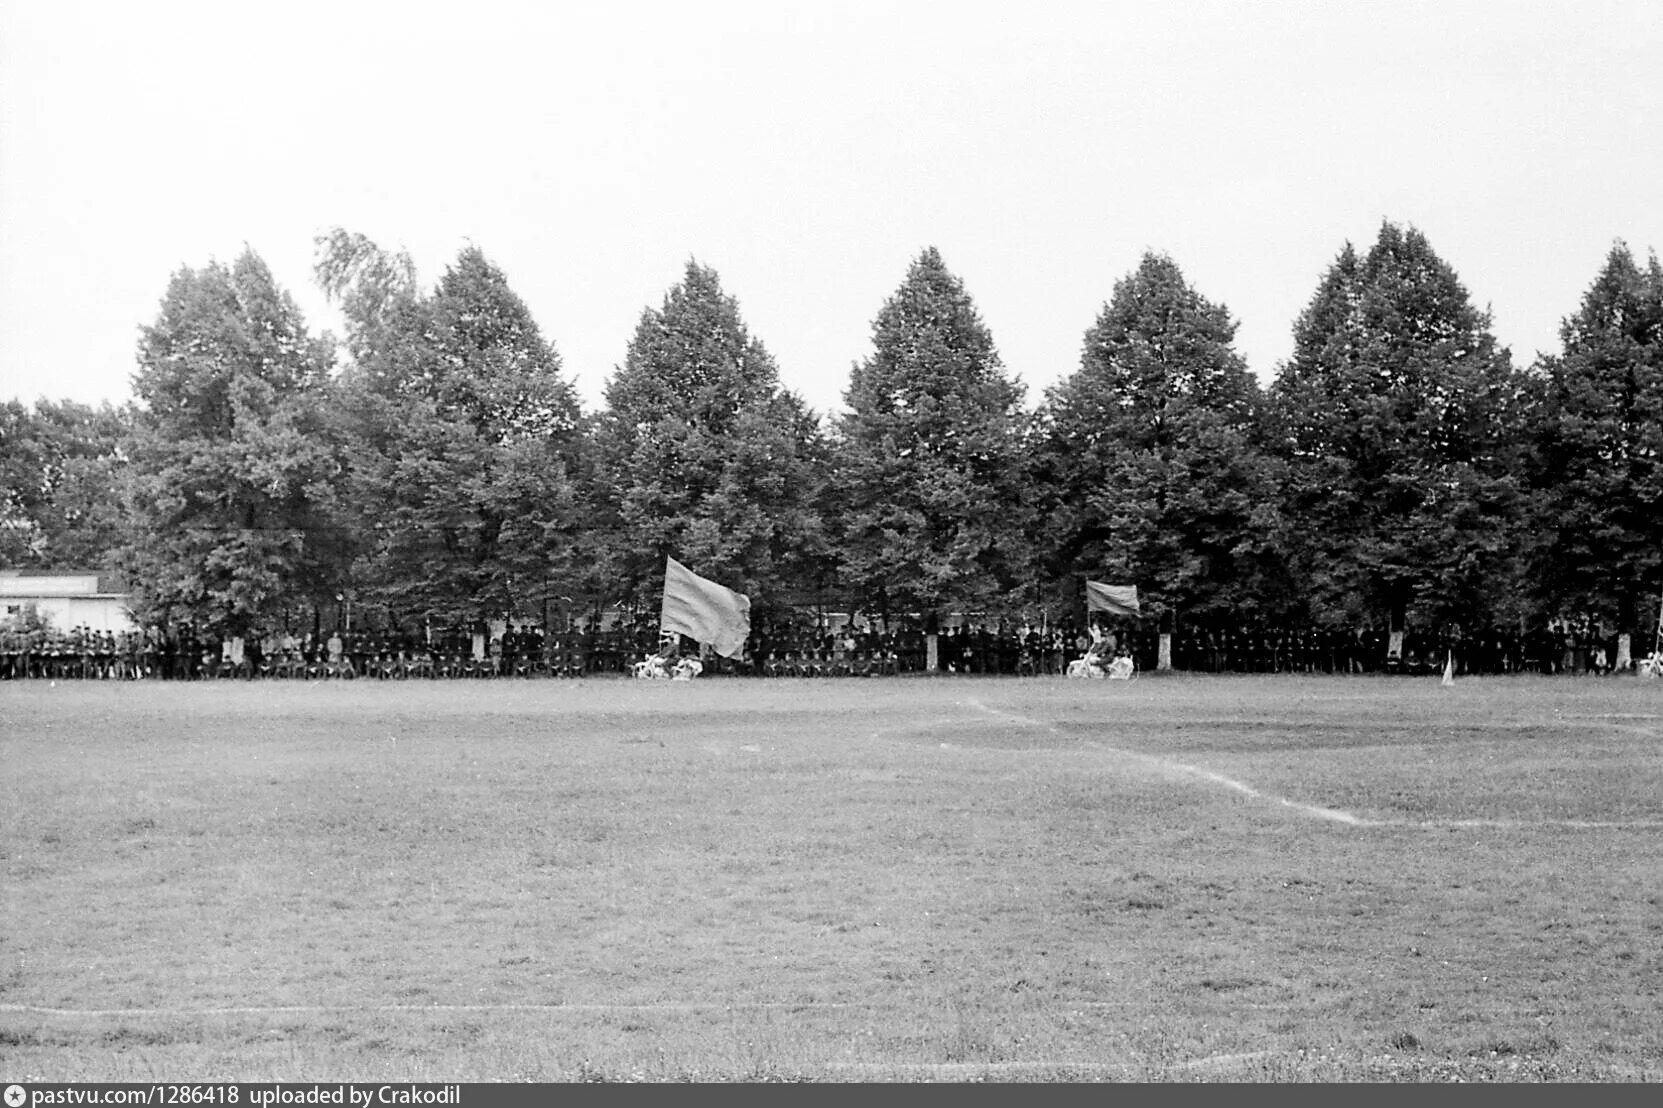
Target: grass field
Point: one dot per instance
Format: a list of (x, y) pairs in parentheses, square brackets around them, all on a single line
[(1190, 879)]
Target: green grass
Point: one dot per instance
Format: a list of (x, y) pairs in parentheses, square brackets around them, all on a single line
[(906, 879)]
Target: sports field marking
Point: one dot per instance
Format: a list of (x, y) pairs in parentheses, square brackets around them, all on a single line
[(1336, 815), (431, 1009), (1183, 768), (1621, 721), (1527, 824), (1618, 715), (978, 1067), (549, 1009), (1044, 1066), (1141, 1007)]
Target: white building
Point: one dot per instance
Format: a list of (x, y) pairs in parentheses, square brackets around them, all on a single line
[(64, 600)]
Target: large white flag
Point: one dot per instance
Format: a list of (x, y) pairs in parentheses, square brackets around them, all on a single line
[(704, 610)]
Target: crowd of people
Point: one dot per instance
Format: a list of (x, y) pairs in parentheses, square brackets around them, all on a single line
[(805, 648), (186, 654)]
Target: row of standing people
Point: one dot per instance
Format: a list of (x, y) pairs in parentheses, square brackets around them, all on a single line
[(1548, 649), (183, 653)]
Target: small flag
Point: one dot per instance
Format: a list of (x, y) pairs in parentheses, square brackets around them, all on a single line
[(1118, 600), (704, 611), (1449, 669)]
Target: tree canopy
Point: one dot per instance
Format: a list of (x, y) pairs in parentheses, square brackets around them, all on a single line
[(932, 473), (233, 462), (1598, 448), (1150, 469), (62, 467), (469, 462), (706, 457), (1396, 414), (437, 465)]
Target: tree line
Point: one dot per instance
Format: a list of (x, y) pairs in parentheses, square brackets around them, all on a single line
[(434, 464)]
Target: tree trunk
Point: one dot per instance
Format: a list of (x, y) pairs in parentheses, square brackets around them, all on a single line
[(1628, 615), (1394, 641)]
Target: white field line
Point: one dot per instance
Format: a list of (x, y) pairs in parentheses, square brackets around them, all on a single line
[(1043, 1066), (1220, 1059), (1141, 1008), (464, 1009), (908, 1067), (1619, 715), (432, 1009), (1526, 824), (1646, 726), (1336, 815), (1316, 812), (979, 1067)]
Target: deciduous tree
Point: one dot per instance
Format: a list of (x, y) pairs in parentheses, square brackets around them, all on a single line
[(1397, 414), (62, 465), (930, 460), (469, 456), (234, 468), (1597, 469), (708, 458), (1150, 464)]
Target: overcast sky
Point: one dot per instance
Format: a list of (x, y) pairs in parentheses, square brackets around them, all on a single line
[(808, 152)]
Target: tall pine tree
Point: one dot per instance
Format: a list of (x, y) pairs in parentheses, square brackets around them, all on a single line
[(1151, 468), (708, 459), (1397, 416), (931, 467), (1598, 459)]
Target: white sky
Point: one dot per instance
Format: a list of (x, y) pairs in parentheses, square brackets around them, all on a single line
[(808, 152)]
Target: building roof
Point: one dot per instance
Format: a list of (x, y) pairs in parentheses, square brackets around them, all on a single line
[(59, 582)]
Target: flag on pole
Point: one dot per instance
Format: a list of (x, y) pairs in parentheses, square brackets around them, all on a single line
[(704, 611), (1117, 600)]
